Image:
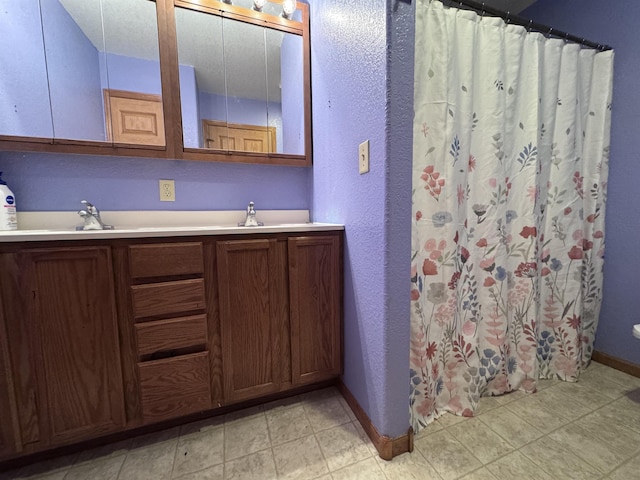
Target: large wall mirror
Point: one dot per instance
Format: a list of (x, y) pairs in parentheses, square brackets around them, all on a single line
[(104, 76), (82, 70), (241, 85)]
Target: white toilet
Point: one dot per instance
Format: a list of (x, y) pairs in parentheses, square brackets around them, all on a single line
[(636, 330)]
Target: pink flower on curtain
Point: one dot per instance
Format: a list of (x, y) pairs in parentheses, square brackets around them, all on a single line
[(488, 264), (574, 321), (454, 280), (418, 215), (431, 351), (472, 163), (526, 269), (489, 281), (575, 253), (598, 234), (464, 255), (415, 295), (429, 268), (586, 245), (482, 242), (528, 232)]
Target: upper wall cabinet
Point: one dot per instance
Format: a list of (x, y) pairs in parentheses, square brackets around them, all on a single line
[(183, 79)]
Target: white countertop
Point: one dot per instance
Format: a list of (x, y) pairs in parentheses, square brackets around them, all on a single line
[(42, 226)]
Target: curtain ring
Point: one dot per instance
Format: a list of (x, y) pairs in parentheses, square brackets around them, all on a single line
[(529, 27), (508, 19), (482, 12), (566, 38), (550, 31)]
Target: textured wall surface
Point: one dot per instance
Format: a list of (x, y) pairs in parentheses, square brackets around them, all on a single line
[(49, 182), (615, 24), (349, 84)]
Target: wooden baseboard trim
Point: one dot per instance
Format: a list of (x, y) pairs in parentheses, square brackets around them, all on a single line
[(387, 447), (617, 363)]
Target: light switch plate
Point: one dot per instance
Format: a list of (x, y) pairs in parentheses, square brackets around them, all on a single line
[(363, 157), (167, 191)]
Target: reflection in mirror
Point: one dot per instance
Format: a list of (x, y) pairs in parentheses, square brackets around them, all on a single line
[(288, 70), (236, 84), (201, 65), (248, 129), (24, 94), (91, 47)]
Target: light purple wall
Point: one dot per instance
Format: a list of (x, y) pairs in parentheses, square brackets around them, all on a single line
[(74, 76), (355, 98), (242, 110), (57, 182), (615, 24), (292, 83)]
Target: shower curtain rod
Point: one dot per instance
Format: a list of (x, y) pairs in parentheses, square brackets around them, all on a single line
[(529, 24)]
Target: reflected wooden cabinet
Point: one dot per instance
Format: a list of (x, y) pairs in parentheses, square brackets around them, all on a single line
[(59, 309), (9, 438)]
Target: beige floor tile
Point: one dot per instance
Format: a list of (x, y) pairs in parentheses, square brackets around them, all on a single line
[(244, 414), (621, 378), (557, 403), (510, 397), (342, 446), (325, 413), (581, 394), (535, 412), (283, 403), (300, 459), (449, 419), (487, 404), (629, 470), (517, 466), (408, 466), (544, 383), (347, 409), (202, 426), (107, 469), (212, 473), (37, 470), (481, 474), (198, 451), (154, 461), (287, 424), (624, 412), (365, 470), (322, 394), (558, 461), (365, 438), (447, 455), (144, 441), (600, 380), (510, 427), (433, 427), (104, 452), (484, 443), (257, 466), (50, 476), (591, 446), (245, 436)]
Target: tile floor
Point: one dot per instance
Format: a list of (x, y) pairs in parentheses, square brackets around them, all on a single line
[(585, 430)]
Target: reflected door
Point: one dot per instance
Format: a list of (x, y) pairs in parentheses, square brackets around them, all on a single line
[(133, 117), (239, 137)]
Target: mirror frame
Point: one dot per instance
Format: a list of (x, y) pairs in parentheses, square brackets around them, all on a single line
[(169, 73)]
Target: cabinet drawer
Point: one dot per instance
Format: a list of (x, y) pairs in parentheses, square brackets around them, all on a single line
[(165, 259), (174, 387), (167, 298), (171, 334)]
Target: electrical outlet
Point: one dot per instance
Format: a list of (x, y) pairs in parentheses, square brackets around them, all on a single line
[(167, 191), (363, 157)]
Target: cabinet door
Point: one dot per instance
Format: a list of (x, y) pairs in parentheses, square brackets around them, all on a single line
[(250, 293), (72, 330), (9, 438), (315, 287)]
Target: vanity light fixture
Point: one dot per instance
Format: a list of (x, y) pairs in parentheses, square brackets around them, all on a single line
[(258, 5), (288, 8)]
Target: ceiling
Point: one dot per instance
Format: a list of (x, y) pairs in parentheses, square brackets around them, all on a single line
[(128, 27)]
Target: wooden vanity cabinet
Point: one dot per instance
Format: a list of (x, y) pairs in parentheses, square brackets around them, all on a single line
[(315, 292), (253, 306), (59, 310)]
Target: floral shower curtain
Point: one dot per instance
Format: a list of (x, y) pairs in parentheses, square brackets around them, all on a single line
[(511, 145)]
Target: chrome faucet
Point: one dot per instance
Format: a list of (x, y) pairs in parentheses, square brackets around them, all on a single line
[(251, 220), (92, 220)]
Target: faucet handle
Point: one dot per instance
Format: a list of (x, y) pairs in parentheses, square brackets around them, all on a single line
[(92, 209)]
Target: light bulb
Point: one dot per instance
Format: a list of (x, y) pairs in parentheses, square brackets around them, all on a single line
[(288, 7), (259, 4)]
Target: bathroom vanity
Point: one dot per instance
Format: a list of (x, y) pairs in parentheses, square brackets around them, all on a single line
[(105, 332)]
